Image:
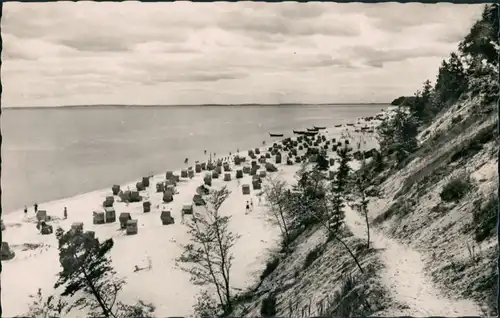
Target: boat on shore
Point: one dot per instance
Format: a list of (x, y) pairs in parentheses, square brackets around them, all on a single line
[(319, 127), (306, 133), (276, 135), (312, 129), (311, 133)]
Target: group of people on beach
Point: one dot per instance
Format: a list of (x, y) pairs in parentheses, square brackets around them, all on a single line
[(249, 206), (35, 210)]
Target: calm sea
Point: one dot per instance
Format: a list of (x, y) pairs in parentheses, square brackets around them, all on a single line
[(55, 153)]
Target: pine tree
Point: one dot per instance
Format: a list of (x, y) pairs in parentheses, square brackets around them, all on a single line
[(451, 82), (398, 135), (86, 267), (338, 190), (322, 163), (482, 40), (361, 184)]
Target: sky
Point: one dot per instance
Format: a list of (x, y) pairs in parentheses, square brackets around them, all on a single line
[(89, 53)]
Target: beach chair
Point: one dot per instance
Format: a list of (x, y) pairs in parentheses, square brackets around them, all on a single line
[(109, 201), (98, 218), (187, 209), (116, 189), (77, 226), (198, 200), (110, 214), (131, 227), (146, 206), (124, 218), (41, 215), (6, 253), (245, 189), (166, 218)]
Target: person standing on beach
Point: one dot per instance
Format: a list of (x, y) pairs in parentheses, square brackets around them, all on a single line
[(65, 213), (182, 216), (251, 204), (35, 207), (25, 210), (247, 209)]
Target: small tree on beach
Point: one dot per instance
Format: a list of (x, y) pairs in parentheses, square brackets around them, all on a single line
[(210, 250), (309, 200), (275, 192), (305, 201), (87, 270), (361, 183), (338, 189)]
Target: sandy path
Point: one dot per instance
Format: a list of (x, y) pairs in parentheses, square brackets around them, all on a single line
[(405, 278)]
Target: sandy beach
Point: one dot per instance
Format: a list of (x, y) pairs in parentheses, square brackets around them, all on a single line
[(155, 247)]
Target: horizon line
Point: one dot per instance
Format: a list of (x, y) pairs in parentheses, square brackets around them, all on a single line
[(190, 105)]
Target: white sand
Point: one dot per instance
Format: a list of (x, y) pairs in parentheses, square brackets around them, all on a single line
[(165, 285)]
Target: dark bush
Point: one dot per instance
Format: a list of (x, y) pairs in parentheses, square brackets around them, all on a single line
[(350, 301), (322, 163), (268, 307), (313, 255), (457, 119), (485, 220), (270, 267), (455, 190), (469, 149), (397, 208)]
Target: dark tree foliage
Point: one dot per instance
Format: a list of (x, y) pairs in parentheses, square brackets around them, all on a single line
[(305, 203), (419, 105), (338, 189), (268, 307), (451, 82), (403, 101), (86, 267), (322, 163), (398, 135), (482, 40)]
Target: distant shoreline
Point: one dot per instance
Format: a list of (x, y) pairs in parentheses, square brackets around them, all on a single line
[(189, 105)]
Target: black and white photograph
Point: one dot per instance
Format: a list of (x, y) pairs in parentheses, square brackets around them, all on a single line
[(249, 159)]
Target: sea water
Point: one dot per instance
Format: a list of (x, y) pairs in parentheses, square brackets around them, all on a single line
[(54, 153)]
